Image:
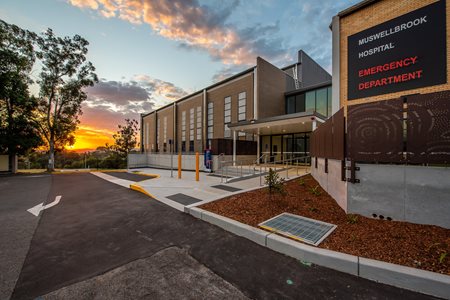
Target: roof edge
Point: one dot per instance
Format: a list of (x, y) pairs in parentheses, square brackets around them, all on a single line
[(200, 91)]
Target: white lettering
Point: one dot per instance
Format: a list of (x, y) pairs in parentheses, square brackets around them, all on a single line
[(376, 50), (393, 30)]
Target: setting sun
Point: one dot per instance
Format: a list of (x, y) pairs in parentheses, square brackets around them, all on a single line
[(88, 138)]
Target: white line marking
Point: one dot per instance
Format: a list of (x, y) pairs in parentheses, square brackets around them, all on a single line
[(35, 210)]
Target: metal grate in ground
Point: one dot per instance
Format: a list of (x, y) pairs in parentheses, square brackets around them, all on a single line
[(300, 228), (226, 188), (183, 199)]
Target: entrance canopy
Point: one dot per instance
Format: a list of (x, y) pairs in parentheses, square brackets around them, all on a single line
[(290, 123)]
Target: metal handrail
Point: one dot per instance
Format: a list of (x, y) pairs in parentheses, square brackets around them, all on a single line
[(283, 161)]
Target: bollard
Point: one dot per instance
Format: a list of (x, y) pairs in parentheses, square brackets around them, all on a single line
[(179, 165), (197, 167)]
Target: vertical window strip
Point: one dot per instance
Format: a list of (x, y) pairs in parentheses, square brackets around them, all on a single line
[(165, 130), (191, 124), (158, 126), (210, 120), (227, 117), (199, 122), (242, 106), (183, 126)]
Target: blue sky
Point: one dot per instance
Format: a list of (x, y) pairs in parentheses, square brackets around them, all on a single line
[(151, 52)]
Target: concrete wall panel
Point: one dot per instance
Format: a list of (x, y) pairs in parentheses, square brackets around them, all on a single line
[(407, 193), (331, 182), (380, 191), (4, 163), (427, 194)]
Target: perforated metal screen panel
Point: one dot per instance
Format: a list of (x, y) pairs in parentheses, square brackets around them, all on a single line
[(300, 228)]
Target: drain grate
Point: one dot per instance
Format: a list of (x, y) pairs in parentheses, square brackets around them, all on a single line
[(183, 199), (226, 188), (300, 228)]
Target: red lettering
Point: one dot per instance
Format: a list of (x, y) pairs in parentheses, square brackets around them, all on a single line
[(397, 64)]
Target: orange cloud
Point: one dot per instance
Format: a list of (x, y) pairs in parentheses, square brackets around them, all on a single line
[(194, 26)]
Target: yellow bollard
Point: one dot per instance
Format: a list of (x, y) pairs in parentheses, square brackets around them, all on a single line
[(197, 167), (179, 165)]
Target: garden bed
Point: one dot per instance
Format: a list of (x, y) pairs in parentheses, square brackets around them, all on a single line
[(424, 247)]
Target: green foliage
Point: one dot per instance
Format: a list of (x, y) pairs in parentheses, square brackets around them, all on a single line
[(352, 219), (313, 209), (125, 139), (99, 159), (315, 191), (301, 182), (275, 182), (442, 257), (65, 73), (18, 133)]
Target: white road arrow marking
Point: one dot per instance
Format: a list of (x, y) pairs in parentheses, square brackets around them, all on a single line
[(35, 210)]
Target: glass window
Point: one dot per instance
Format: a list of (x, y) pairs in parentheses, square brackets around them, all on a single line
[(330, 109), (299, 144), (191, 124), (321, 101), (242, 103), (210, 120), (310, 100), (227, 131), (300, 103), (183, 126), (191, 146), (290, 105), (158, 144), (227, 117), (199, 123)]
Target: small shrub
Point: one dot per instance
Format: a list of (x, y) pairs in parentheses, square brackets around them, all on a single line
[(315, 191), (313, 209), (442, 257), (301, 182), (275, 182), (352, 219), (352, 238)]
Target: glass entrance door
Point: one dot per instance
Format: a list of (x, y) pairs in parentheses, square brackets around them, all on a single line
[(276, 148), (286, 146)]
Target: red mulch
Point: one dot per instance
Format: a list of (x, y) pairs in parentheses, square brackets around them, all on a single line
[(413, 245)]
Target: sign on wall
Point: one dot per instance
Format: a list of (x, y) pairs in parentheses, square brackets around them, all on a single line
[(404, 53)]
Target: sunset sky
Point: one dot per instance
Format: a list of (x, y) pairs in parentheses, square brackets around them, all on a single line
[(150, 52)]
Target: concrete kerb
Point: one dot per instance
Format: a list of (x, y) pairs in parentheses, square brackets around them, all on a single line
[(254, 234), (405, 277), (400, 276), (140, 189)]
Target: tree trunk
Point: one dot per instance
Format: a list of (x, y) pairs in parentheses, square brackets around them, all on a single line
[(13, 162), (51, 159)]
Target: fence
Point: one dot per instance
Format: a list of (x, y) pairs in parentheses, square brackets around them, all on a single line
[(158, 160), (413, 129), (327, 141)]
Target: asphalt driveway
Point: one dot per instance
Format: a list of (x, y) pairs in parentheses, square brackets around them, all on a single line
[(17, 225), (100, 228)]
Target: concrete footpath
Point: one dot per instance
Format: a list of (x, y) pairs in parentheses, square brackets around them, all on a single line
[(210, 187)]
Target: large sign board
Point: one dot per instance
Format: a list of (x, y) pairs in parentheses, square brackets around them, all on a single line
[(404, 53)]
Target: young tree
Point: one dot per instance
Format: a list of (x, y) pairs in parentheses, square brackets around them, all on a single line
[(17, 132), (126, 137), (65, 73)]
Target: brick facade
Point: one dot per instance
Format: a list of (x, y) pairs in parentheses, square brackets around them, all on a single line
[(369, 16)]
